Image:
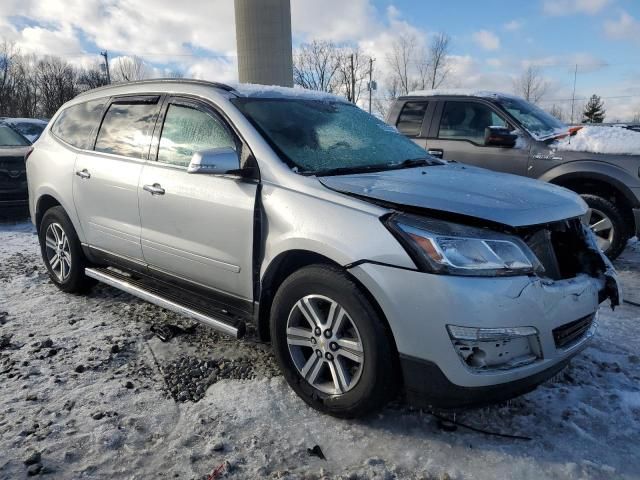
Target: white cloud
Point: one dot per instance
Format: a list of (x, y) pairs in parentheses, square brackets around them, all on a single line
[(625, 27), (513, 25), (570, 7), (487, 40)]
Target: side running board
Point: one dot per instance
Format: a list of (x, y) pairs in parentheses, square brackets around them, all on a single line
[(154, 292)]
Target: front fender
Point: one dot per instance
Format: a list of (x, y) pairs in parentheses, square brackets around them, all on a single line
[(614, 175)]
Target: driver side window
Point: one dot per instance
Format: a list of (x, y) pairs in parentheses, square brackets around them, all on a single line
[(467, 121), (187, 130)]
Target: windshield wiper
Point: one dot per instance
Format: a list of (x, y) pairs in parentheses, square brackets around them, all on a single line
[(415, 162), (347, 170), (409, 163)]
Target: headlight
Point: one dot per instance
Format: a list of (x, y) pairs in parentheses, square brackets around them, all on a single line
[(443, 247)]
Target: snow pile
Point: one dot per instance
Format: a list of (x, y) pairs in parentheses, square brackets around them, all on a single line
[(466, 92), (612, 140), (273, 91)]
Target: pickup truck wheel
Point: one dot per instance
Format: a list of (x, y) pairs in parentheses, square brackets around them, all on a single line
[(331, 343), (607, 222), (62, 253)]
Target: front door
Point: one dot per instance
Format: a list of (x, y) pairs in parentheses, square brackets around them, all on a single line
[(105, 184), (460, 137), (198, 227)]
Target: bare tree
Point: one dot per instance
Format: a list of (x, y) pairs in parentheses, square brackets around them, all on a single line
[(316, 66), (531, 85), (57, 82), (353, 70), (636, 117), (92, 77), (129, 69), (391, 91), (402, 62), (435, 66)]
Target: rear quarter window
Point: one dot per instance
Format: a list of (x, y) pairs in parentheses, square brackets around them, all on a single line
[(410, 118), (126, 129), (75, 124)]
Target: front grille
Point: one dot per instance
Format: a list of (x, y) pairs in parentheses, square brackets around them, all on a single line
[(571, 332)]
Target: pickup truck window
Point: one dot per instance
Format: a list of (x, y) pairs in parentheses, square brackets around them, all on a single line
[(75, 123), (187, 130), (535, 120), (126, 129), (315, 136), (467, 121), (410, 118)]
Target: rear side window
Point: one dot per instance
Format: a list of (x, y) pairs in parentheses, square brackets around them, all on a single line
[(75, 124), (467, 121), (187, 130), (410, 119), (126, 129)]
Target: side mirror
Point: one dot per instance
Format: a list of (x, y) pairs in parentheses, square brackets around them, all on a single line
[(499, 137), (215, 161)]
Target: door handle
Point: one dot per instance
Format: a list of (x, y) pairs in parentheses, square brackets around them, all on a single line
[(436, 152), (155, 189), (84, 174)]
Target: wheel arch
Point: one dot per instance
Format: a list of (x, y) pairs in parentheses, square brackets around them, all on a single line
[(288, 262), (597, 183)]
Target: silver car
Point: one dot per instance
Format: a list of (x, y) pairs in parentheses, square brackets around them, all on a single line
[(372, 267)]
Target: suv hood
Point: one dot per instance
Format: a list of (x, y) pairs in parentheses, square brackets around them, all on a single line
[(461, 189)]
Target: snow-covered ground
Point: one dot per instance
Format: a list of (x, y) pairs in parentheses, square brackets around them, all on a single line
[(87, 391), (613, 140)]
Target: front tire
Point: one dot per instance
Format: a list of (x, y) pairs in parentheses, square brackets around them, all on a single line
[(62, 253), (331, 343), (607, 222)]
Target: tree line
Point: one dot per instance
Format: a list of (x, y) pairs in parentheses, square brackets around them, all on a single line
[(36, 86)]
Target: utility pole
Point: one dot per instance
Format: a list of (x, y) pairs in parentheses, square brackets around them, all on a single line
[(353, 81), (573, 97), (371, 60), (106, 66)]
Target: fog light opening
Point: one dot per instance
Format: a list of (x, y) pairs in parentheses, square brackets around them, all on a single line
[(486, 349)]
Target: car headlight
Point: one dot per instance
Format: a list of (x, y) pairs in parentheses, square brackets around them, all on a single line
[(438, 246)]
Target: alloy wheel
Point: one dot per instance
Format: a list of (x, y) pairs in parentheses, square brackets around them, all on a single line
[(58, 251), (602, 226), (325, 345)]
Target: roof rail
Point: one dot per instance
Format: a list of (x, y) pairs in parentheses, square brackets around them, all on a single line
[(191, 81)]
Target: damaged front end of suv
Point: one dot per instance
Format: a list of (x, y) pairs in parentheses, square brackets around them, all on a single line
[(509, 291)]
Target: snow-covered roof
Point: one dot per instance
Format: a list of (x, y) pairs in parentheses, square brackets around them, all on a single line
[(611, 140), (272, 91), (466, 92), (23, 120)]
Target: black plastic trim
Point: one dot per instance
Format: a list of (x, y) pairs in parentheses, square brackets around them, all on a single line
[(426, 386)]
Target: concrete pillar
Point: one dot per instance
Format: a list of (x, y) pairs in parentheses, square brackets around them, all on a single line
[(263, 37)]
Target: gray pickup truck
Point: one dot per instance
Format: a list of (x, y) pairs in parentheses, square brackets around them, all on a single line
[(505, 133)]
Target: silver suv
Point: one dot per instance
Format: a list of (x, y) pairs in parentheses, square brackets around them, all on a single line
[(370, 266)]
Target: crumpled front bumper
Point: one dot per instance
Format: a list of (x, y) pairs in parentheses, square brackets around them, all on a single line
[(419, 306)]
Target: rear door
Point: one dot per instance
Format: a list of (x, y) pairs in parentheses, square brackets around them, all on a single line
[(106, 179), (197, 227), (413, 120), (458, 134)]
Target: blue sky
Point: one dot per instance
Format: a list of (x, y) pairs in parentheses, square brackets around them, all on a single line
[(492, 40)]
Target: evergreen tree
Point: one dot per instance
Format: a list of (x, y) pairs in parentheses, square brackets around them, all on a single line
[(594, 111)]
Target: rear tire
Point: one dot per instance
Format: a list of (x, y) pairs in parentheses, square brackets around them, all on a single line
[(62, 253), (343, 364), (608, 223)]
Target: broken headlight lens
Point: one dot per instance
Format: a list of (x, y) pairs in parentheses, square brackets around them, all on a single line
[(444, 247)]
